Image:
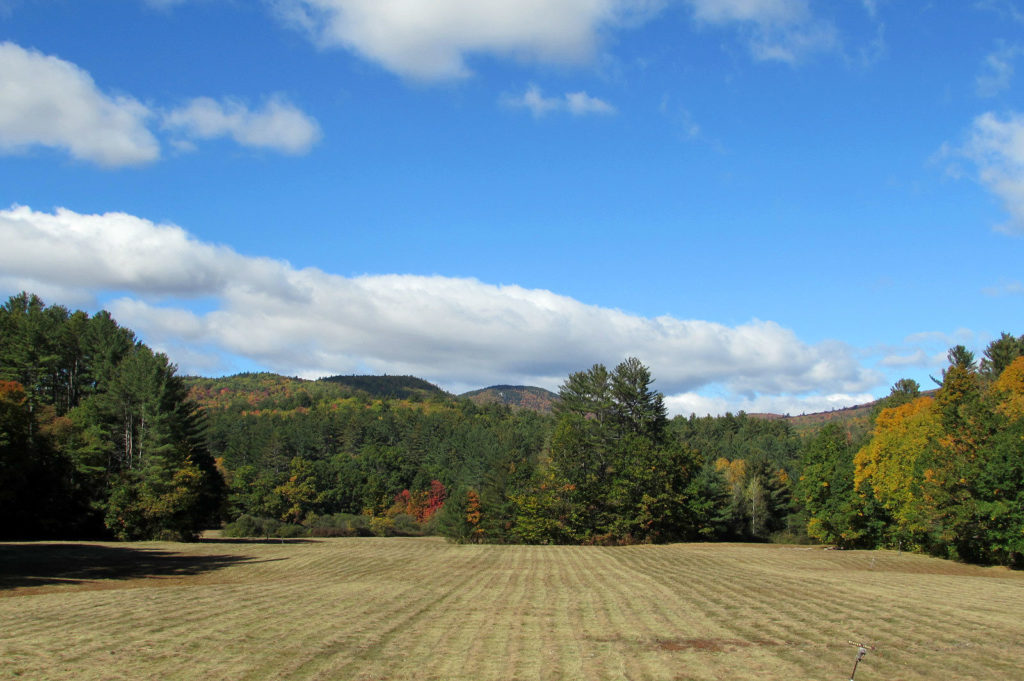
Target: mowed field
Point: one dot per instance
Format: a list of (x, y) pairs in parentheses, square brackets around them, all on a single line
[(424, 609)]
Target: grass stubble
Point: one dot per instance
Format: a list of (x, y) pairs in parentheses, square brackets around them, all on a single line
[(369, 609)]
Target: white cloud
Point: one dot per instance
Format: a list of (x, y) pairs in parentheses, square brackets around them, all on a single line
[(918, 358), (926, 350), (46, 101), (1005, 8), (580, 103), (576, 103), (960, 336), (432, 40), (996, 146), (791, 44), (683, 123), (279, 125), (776, 30), (453, 331), (998, 71), (435, 40), (49, 102), (700, 405), (757, 11)]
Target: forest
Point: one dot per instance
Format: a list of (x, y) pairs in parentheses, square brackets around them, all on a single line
[(100, 437)]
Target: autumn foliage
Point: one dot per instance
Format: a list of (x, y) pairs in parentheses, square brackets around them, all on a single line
[(948, 471), (421, 505)]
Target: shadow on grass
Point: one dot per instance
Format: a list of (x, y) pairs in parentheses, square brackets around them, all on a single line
[(41, 564)]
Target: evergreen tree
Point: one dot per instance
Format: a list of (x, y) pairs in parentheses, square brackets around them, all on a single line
[(1000, 353), (610, 454)]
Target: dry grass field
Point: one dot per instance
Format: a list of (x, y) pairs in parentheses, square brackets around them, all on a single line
[(366, 609)]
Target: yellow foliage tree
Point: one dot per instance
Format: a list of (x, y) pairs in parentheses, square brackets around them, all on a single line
[(734, 471), (889, 461), (1010, 388)]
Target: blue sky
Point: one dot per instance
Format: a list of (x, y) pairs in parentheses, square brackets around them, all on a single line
[(778, 205)]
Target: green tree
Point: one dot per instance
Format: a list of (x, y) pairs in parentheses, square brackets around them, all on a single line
[(836, 514), (610, 453), (1000, 353), (635, 407)]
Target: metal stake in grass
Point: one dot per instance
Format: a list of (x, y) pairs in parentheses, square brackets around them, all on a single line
[(862, 650)]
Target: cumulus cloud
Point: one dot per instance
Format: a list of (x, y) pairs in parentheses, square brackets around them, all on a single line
[(53, 103), (458, 332), (432, 40), (576, 103), (996, 146), (278, 125), (49, 102)]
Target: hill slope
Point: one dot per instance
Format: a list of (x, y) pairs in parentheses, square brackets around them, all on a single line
[(515, 396), (273, 391), (394, 387)]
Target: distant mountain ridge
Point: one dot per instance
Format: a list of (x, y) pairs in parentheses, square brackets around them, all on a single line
[(515, 396), (268, 390), (257, 388)]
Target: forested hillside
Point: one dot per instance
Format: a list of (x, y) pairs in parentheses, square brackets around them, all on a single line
[(515, 396), (394, 387), (332, 457)]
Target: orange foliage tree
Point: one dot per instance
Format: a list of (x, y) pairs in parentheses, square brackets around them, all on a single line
[(421, 505)]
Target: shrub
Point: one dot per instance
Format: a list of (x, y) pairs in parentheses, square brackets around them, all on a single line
[(380, 526), (404, 525), (290, 531), (252, 526), (341, 525)]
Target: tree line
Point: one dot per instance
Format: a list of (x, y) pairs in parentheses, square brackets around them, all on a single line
[(99, 436)]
